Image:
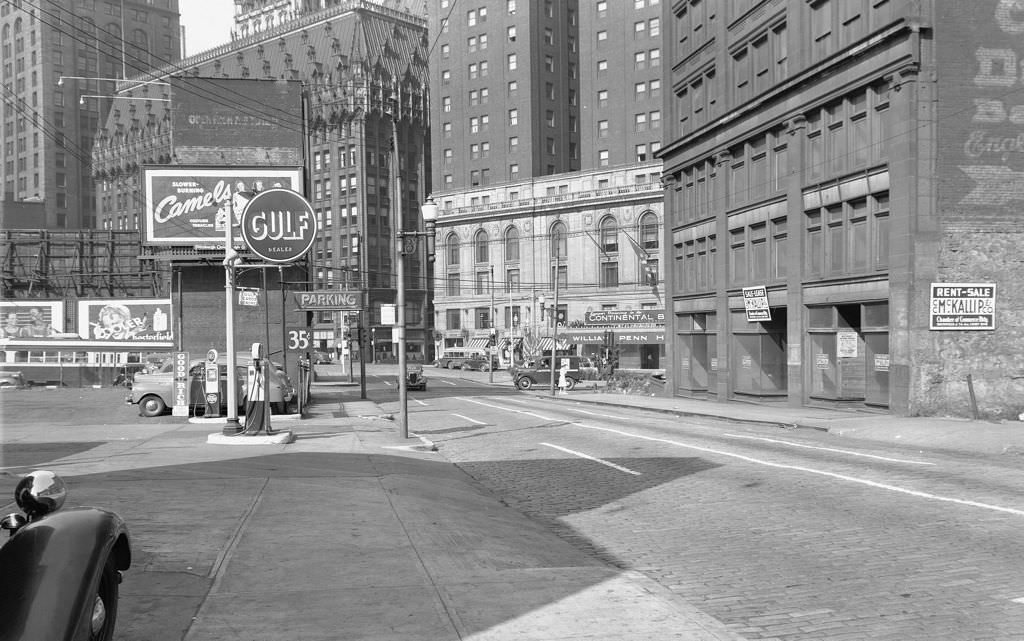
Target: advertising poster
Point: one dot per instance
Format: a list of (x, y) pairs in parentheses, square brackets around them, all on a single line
[(962, 306), (846, 344), (125, 319), (191, 205), (32, 319), (755, 303)]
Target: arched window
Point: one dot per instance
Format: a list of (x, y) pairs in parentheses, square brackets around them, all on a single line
[(452, 245), (559, 240), (480, 242), (609, 235), (648, 230), (512, 244)]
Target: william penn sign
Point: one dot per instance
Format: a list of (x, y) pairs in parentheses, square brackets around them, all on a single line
[(329, 300)]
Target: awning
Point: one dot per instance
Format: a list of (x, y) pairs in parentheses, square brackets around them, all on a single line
[(546, 343), (477, 343)]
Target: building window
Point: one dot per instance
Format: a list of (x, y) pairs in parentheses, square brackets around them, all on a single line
[(452, 250), (512, 244), (512, 62), (452, 288), (648, 232), (602, 158), (602, 98), (481, 243), (559, 240), (513, 117), (602, 129), (608, 234), (609, 274)]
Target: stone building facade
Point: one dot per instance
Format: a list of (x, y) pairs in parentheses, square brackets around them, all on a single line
[(848, 167)]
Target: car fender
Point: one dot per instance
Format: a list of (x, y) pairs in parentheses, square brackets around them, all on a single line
[(51, 569)]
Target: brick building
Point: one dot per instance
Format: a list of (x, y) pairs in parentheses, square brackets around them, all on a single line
[(844, 156)]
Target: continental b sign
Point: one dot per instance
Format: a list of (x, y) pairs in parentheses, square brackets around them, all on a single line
[(625, 317), (327, 300)]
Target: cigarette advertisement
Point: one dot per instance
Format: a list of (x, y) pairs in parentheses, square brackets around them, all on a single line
[(192, 205)]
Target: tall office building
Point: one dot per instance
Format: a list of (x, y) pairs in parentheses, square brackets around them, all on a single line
[(60, 61), (545, 116)]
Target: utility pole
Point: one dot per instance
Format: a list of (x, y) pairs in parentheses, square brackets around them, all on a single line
[(494, 335)]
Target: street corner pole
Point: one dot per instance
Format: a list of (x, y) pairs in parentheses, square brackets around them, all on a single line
[(231, 258)]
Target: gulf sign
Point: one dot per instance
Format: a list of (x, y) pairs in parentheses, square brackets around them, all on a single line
[(192, 205), (279, 225)]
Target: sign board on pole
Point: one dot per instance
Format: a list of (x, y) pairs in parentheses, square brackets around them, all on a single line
[(327, 300), (279, 225), (388, 315), (755, 303), (181, 384), (962, 306)]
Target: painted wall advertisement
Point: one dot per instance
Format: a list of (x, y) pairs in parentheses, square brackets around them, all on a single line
[(962, 306), (192, 205), (125, 319), (982, 107)]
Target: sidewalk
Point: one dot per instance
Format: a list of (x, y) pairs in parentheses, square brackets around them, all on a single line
[(957, 434), (352, 532)]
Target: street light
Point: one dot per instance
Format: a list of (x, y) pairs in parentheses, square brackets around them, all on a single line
[(408, 242), (81, 99), (131, 83)]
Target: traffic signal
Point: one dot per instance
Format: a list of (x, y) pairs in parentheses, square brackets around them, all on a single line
[(364, 335), (492, 338)]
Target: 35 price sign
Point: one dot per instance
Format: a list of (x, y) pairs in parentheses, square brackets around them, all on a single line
[(300, 339)]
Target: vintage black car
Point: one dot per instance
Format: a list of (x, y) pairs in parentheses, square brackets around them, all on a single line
[(60, 569), (414, 378)]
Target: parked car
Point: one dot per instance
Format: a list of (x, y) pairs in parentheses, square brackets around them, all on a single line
[(414, 378), (321, 357), (480, 362), (580, 368), (61, 568), (15, 380), (154, 393)]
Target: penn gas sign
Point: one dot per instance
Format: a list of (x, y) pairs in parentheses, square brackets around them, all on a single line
[(279, 225)]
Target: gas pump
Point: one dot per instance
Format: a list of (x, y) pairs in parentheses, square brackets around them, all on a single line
[(257, 407), (211, 385)]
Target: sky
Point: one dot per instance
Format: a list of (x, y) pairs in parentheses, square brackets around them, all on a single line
[(207, 23)]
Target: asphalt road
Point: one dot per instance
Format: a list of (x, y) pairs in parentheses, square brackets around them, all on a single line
[(780, 534), (785, 535)]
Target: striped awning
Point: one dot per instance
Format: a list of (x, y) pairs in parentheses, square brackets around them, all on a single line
[(546, 343), (477, 343)]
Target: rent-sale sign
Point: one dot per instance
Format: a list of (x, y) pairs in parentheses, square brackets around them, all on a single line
[(963, 306)]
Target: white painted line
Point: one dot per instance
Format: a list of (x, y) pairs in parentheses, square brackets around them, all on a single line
[(809, 470), (828, 449), (594, 459), (510, 409), (471, 420), (796, 468), (1018, 600), (420, 402), (445, 380)]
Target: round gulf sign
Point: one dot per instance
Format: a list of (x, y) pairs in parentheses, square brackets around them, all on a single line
[(279, 225)]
